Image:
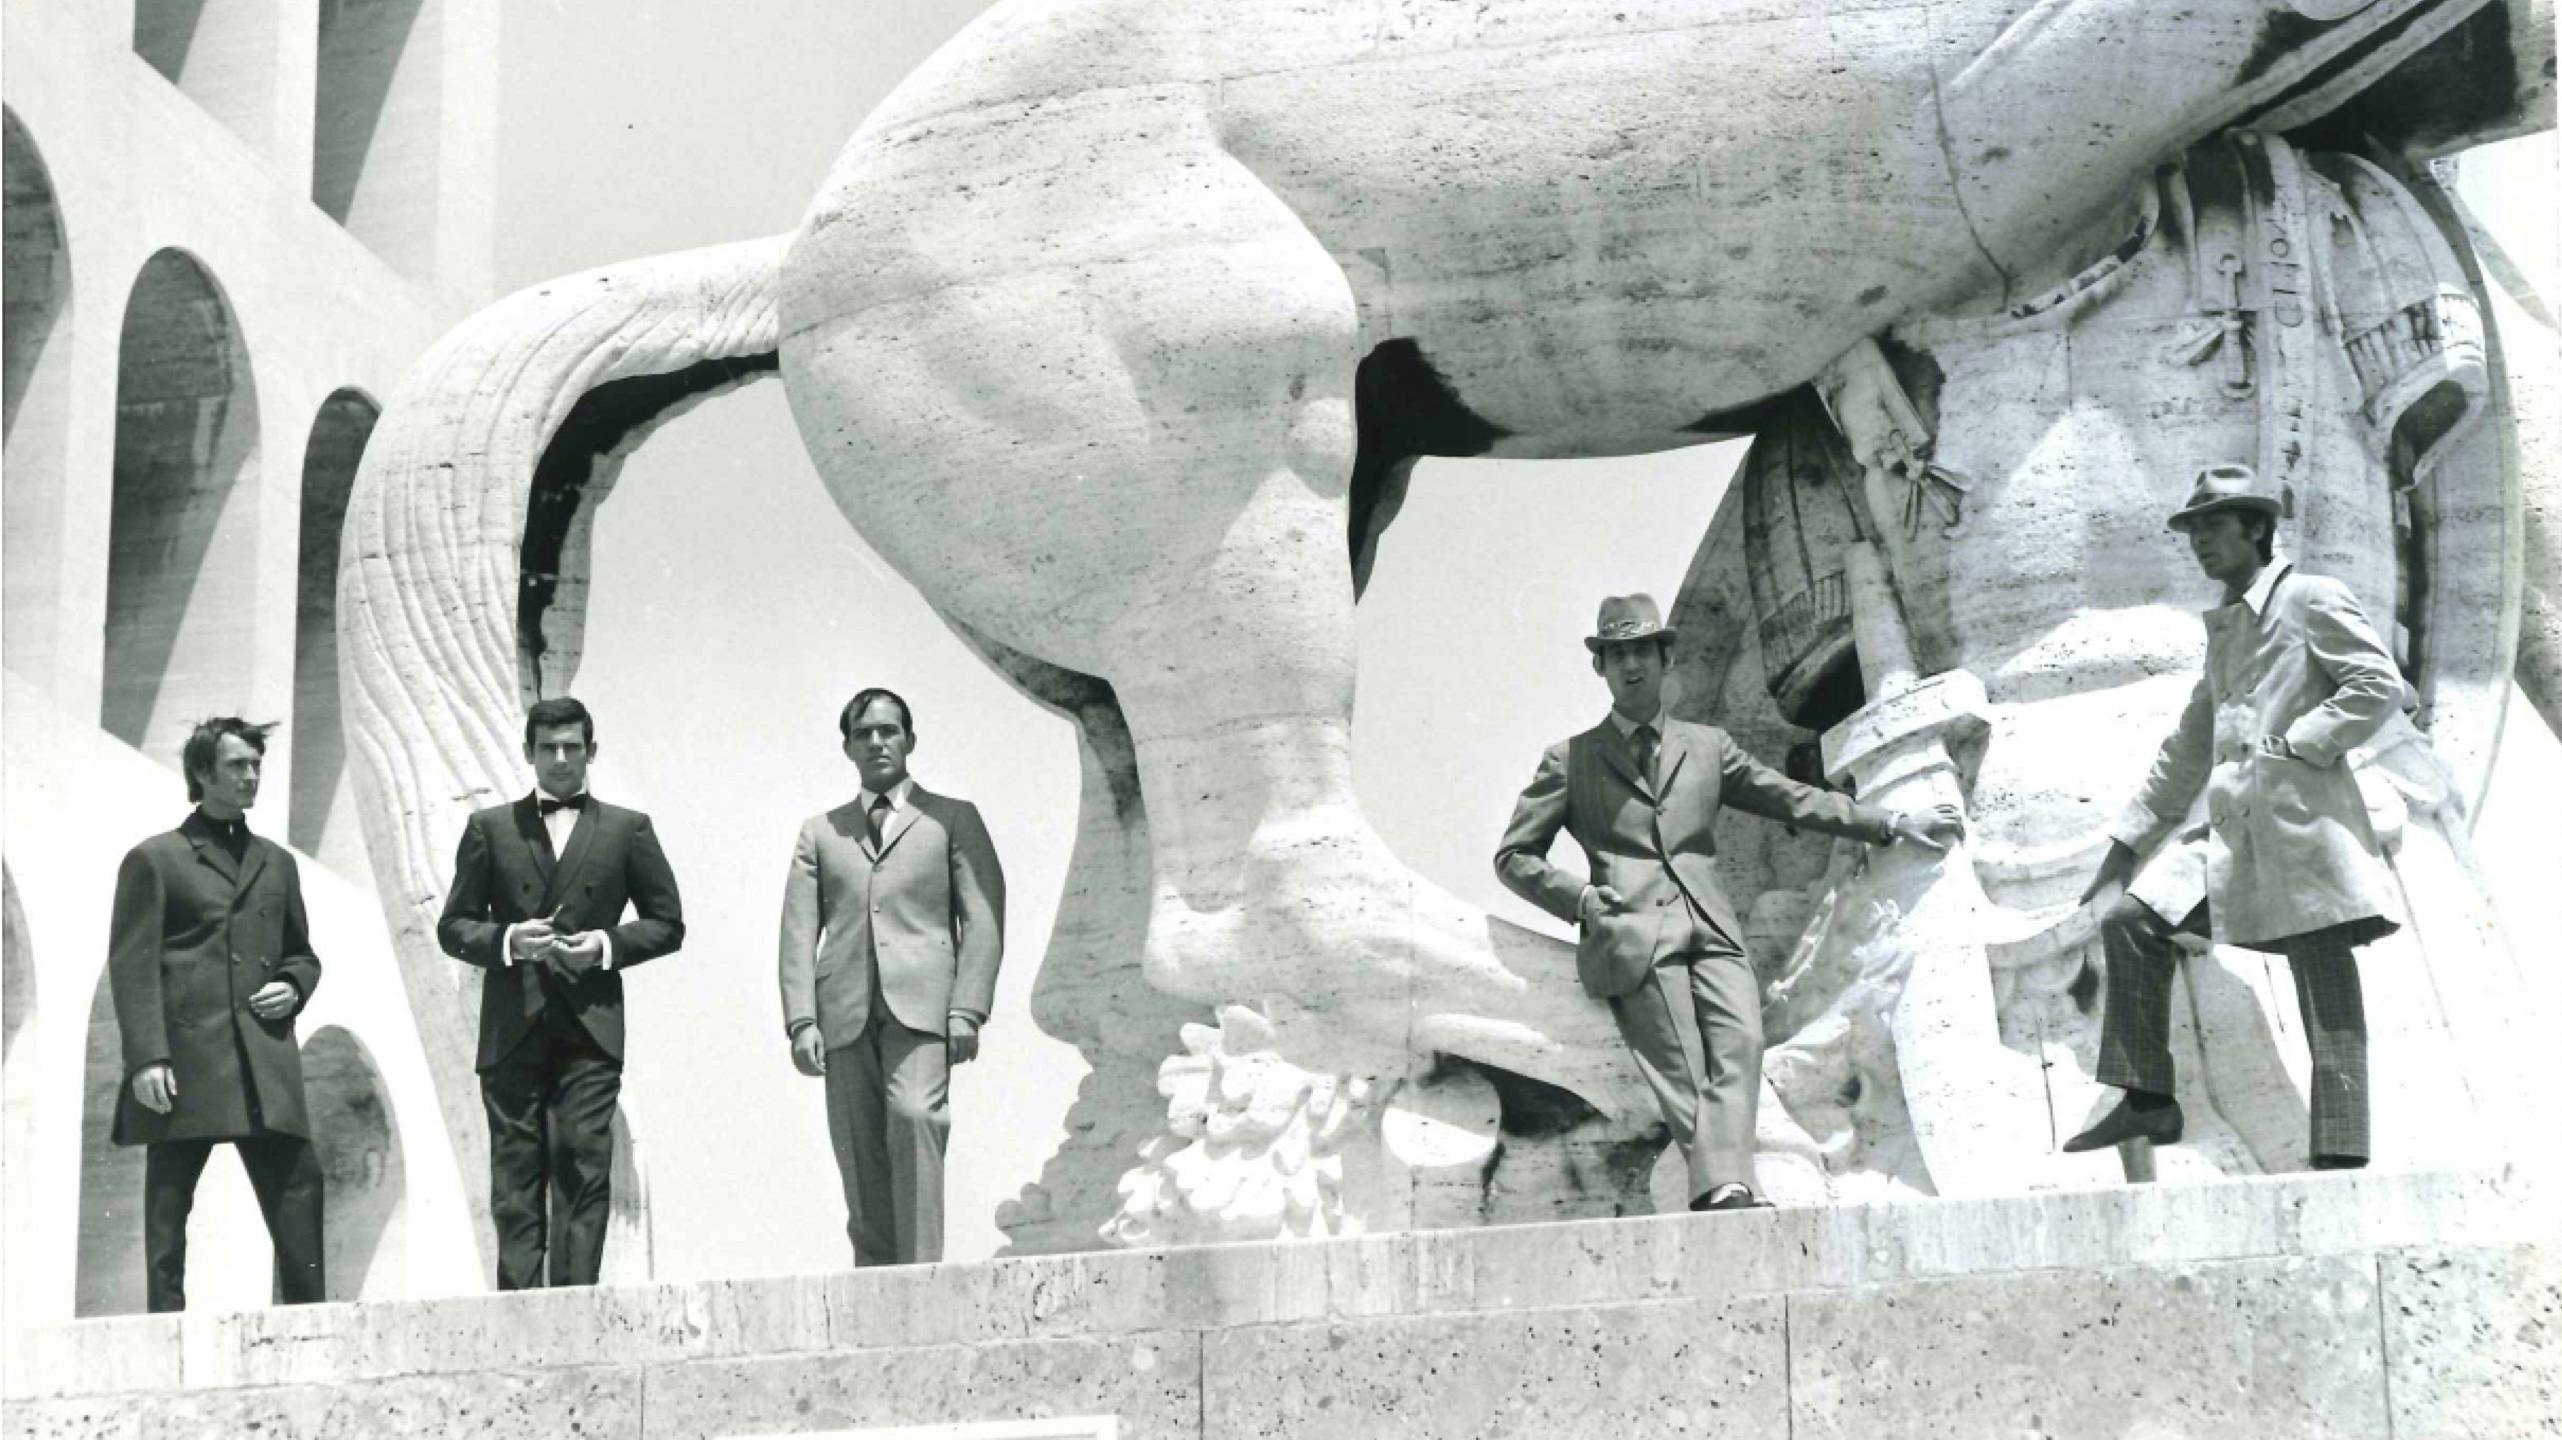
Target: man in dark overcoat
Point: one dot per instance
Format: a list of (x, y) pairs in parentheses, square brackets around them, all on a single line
[(209, 959)]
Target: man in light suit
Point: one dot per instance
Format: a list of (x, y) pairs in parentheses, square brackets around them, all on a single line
[(209, 960), (2287, 860), (539, 886), (1640, 793), (893, 926)]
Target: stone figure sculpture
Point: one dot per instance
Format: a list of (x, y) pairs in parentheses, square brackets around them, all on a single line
[(1987, 280)]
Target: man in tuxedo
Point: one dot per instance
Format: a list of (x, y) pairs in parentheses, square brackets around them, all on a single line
[(2287, 860), (1640, 793), (540, 886), (893, 925), (209, 960)]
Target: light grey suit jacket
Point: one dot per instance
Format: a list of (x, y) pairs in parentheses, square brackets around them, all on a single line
[(928, 908)]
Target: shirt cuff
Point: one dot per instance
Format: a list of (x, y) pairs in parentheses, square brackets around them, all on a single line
[(607, 937), (507, 944), (975, 1018)]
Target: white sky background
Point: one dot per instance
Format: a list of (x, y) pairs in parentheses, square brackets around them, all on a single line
[(734, 610)]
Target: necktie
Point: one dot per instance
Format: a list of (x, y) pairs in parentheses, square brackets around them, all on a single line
[(875, 818), (1645, 742)]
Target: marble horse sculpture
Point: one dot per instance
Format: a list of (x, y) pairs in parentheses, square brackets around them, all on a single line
[(1119, 326)]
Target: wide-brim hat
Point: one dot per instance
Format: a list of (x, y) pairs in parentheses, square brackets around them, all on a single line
[(1627, 617), (2224, 487)]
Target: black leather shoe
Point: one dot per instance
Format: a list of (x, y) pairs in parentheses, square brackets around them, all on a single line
[(1730, 1197), (2339, 1162), (2161, 1125)]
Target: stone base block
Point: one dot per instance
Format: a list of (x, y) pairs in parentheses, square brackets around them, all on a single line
[(2337, 1305)]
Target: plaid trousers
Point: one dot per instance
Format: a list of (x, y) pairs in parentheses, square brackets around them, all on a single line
[(2135, 1030)]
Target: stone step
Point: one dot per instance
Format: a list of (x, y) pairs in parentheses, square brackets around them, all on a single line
[(2364, 1304)]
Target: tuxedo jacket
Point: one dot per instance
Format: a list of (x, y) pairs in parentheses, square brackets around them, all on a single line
[(505, 872), (194, 935), (928, 905), (1653, 839)]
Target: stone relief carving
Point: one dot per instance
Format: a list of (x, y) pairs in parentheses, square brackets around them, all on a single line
[(1207, 279)]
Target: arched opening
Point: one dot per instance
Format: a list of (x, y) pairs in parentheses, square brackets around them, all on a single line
[(35, 283), (223, 57), (17, 1102), (374, 126), (182, 538), (110, 1279), (321, 818), (364, 1214)]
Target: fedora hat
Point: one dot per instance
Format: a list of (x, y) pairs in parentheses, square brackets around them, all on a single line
[(2224, 487), (1627, 617)]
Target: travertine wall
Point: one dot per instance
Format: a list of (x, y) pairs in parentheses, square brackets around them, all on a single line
[(2333, 1306)]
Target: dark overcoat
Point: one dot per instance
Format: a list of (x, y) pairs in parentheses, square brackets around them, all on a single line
[(194, 935)]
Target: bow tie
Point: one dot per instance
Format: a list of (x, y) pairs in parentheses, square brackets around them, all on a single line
[(545, 805)]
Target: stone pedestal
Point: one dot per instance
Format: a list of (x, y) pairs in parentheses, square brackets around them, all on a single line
[(2333, 1305)]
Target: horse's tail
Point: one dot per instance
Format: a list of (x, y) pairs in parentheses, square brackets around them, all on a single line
[(461, 577)]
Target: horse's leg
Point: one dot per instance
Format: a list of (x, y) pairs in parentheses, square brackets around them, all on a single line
[(1116, 432)]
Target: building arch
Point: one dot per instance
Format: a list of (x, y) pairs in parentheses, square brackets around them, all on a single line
[(182, 538), (17, 1104), (321, 819), (109, 1278), (364, 1224), (375, 126), (35, 282)]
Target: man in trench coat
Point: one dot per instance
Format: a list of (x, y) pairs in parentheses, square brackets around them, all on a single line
[(2287, 860), (209, 960)]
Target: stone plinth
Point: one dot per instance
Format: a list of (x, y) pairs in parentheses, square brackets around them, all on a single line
[(2399, 1305)]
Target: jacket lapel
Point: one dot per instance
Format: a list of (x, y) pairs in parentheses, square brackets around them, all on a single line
[(901, 819), (536, 840), (1673, 749), (1622, 757), (252, 861), (582, 843), (200, 835)]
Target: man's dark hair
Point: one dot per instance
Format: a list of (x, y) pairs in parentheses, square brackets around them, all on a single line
[(2263, 528), (198, 756), (853, 711), (558, 710)]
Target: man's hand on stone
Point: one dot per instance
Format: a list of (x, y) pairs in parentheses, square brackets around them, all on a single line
[(809, 1051), (1936, 828), (2114, 873), (156, 1087)]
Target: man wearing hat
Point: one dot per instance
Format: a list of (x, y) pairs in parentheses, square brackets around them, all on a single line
[(2286, 860), (1658, 940)]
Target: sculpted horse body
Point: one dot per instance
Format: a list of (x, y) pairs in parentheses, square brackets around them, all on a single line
[(1118, 326)]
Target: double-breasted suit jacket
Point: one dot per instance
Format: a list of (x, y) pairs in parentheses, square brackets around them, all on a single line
[(1653, 840), (505, 873), (2288, 846), (929, 904), (194, 935)]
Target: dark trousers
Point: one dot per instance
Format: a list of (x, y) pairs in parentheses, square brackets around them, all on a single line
[(285, 1173), (2135, 1031), (550, 1103), (1694, 1029)]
